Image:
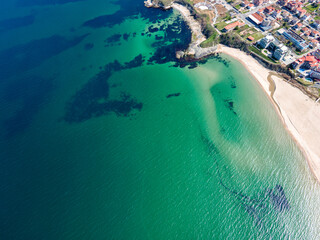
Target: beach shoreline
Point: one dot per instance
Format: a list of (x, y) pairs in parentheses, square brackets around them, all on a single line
[(298, 112)]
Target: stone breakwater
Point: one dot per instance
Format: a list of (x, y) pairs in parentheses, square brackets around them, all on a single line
[(194, 50)]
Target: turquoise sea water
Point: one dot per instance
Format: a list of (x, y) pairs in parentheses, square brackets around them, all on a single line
[(104, 136)]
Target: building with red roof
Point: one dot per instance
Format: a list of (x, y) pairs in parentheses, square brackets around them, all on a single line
[(232, 26), (301, 12), (309, 61), (256, 18)]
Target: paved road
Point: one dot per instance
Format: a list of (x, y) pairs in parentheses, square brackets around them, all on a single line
[(244, 16)]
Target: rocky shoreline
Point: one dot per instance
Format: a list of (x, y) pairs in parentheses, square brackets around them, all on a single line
[(194, 51)]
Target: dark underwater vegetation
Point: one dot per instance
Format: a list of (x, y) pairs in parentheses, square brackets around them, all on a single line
[(30, 55)]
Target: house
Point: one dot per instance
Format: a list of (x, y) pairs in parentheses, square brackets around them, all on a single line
[(314, 43), (306, 17), (314, 33), (306, 31), (294, 21), (306, 62), (260, 2), (268, 10), (276, 14), (316, 24), (267, 23), (309, 62), (244, 3), (301, 12), (316, 54), (231, 26), (300, 25), (283, 2), (293, 6), (250, 6), (286, 16)]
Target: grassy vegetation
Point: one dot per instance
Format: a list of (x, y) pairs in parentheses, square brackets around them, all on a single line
[(311, 7), (189, 2), (317, 17), (257, 36), (242, 28), (169, 2), (220, 25), (165, 2), (226, 18), (304, 82), (250, 32), (258, 52), (210, 41), (237, 6)]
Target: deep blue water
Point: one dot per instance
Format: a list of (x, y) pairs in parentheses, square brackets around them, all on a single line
[(51, 82)]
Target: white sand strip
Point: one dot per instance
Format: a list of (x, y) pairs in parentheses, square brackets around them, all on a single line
[(300, 114)]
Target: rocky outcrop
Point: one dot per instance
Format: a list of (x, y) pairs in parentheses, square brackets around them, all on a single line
[(194, 50), (157, 4)]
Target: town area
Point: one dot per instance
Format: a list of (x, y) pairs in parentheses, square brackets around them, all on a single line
[(281, 32)]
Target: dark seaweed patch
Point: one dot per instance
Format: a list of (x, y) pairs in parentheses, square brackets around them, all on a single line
[(279, 199), (13, 23), (27, 56), (220, 59), (176, 37), (114, 38), (123, 106), (32, 92), (152, 29), (88, 46), (193, 65), (257, 207), (173, 95), (28, 3), (128, 10), (230, 105), (92, 100), (126, 36)]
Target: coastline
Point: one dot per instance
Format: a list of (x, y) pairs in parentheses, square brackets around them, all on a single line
[(194, 50), (298, 112)]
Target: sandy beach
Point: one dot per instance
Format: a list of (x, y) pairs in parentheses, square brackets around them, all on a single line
[(299, 113)]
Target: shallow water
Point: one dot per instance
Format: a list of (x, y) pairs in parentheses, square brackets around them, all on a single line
[(104, 136)]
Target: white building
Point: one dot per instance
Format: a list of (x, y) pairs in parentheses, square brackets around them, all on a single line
[(280, 52), (264, 42), (315, 74)]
